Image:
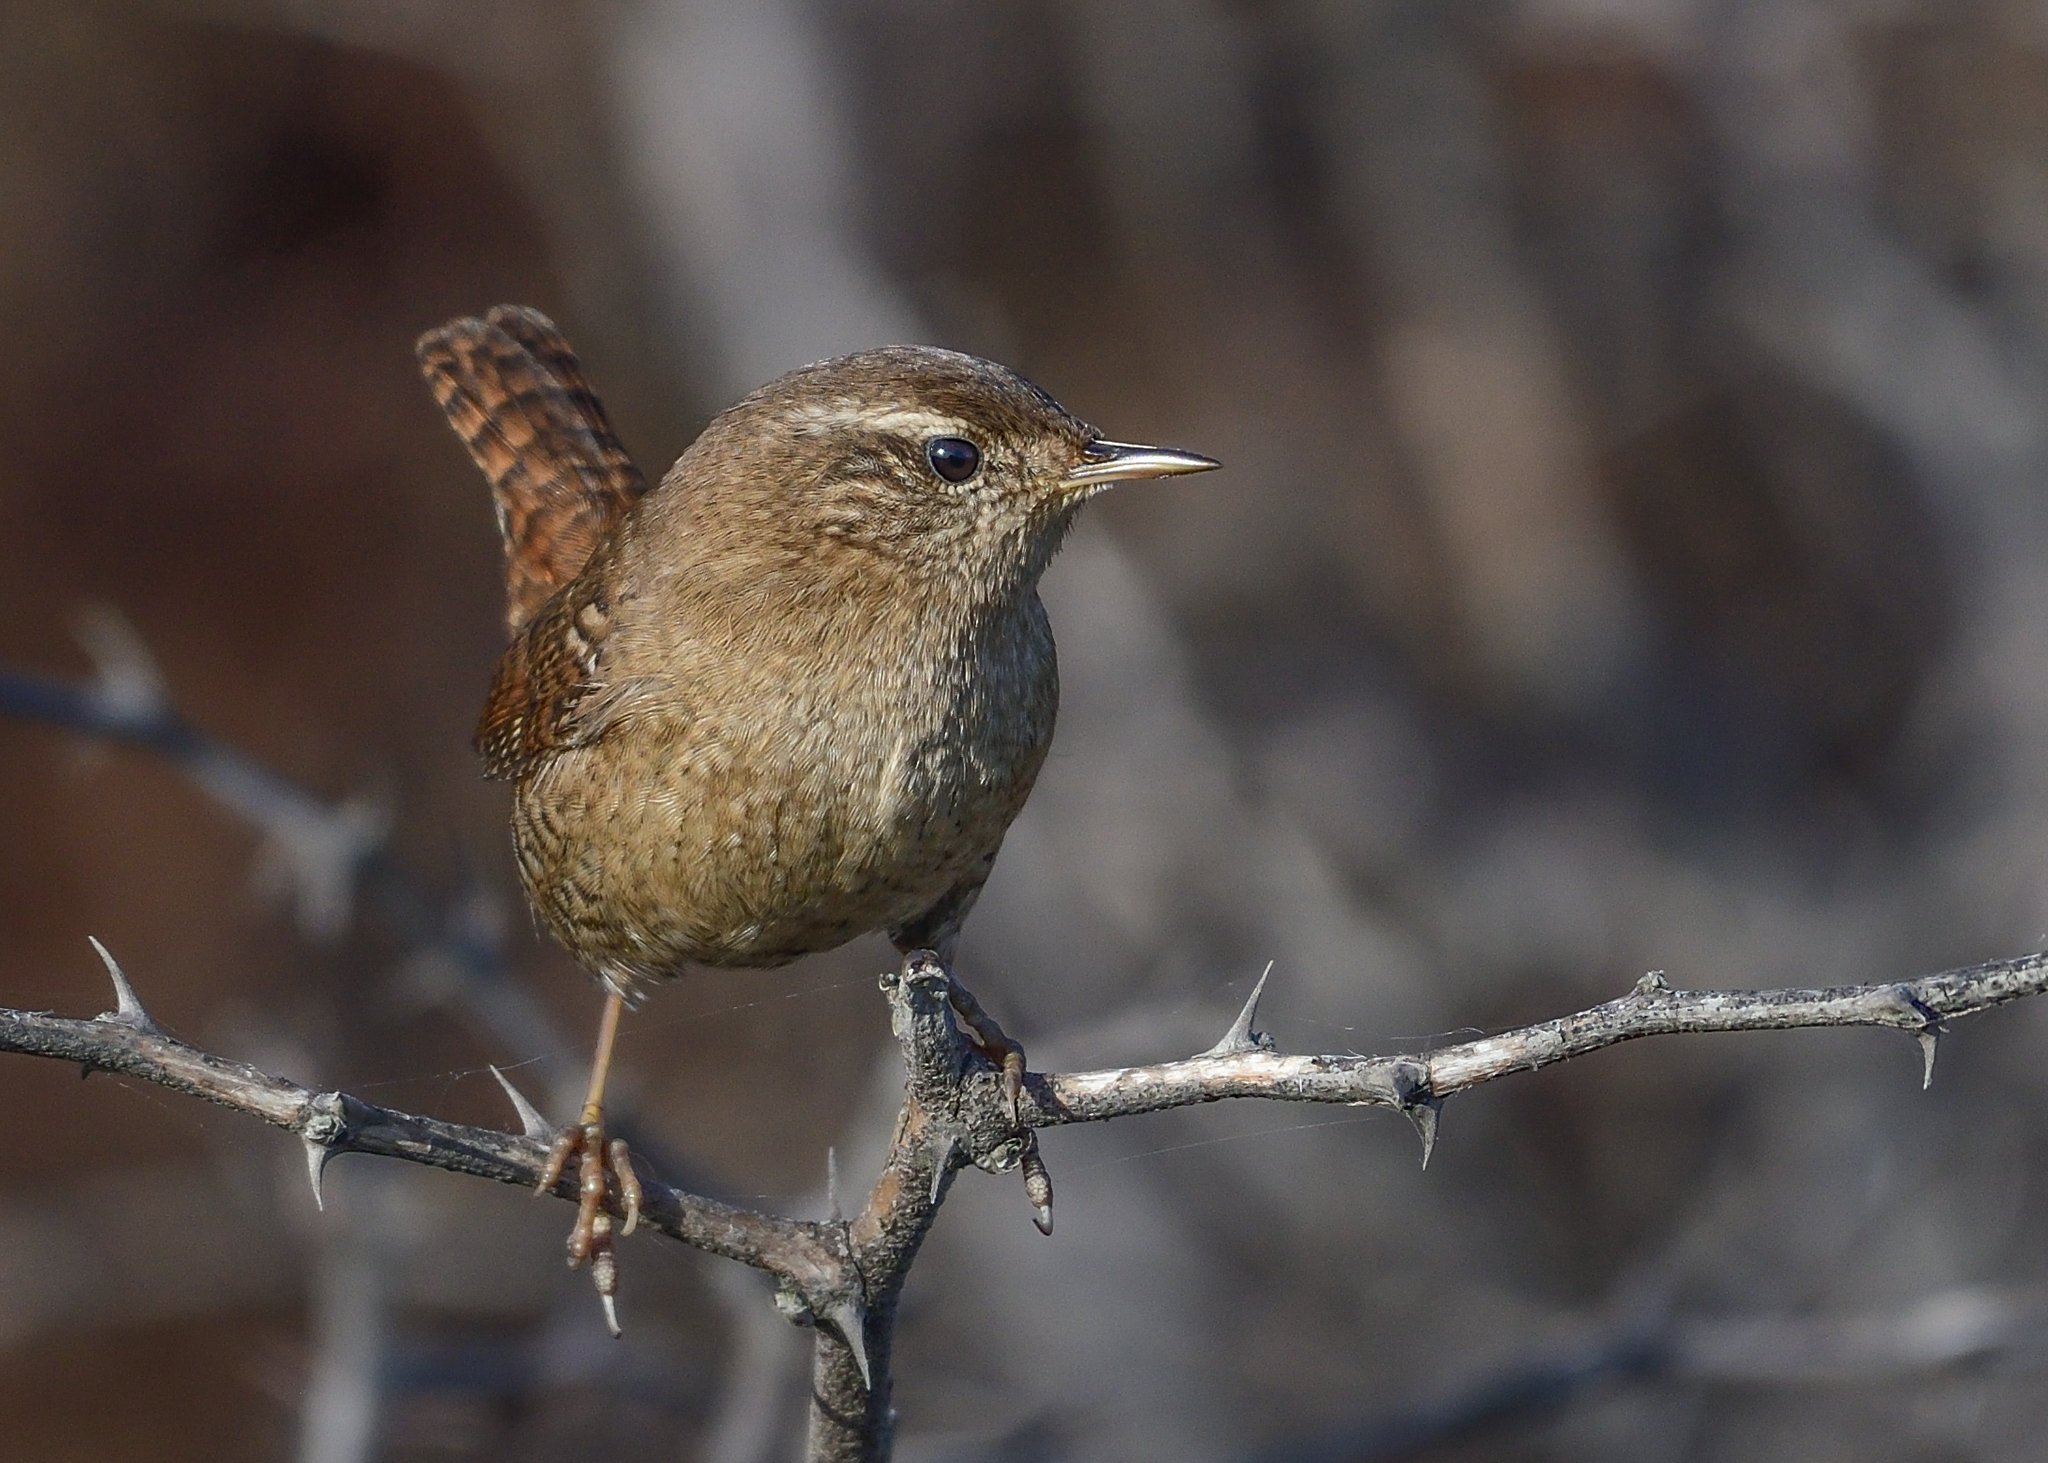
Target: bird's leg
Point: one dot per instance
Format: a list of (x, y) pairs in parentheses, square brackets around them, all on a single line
[(599, 1163), (995, 1043)]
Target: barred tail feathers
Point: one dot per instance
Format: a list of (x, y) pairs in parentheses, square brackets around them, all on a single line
[(516, 395)]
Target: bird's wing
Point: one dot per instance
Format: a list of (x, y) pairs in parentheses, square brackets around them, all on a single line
[(517, 396), (551, 691)]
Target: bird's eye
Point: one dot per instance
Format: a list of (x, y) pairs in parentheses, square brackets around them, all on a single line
[(953, 458)]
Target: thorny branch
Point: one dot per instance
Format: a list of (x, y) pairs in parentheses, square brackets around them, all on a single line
[(1243, 1064), (844, 1276)]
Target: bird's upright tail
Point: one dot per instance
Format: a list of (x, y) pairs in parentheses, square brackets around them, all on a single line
[(516, 395)]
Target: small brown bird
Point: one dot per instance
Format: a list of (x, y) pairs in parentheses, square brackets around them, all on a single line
[(794, 694)]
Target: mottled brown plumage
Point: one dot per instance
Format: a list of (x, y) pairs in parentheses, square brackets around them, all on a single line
[(797, 692), (516, 395)]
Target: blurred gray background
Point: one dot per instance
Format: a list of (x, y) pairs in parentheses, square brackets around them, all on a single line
[(1633, 554)]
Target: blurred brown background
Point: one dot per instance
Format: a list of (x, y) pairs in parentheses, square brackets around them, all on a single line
[(1633, 554)]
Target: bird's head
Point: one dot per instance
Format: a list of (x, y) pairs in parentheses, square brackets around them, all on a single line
[(923, 457)]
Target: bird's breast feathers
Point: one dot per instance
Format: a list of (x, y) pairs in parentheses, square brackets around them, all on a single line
[(791, 818)]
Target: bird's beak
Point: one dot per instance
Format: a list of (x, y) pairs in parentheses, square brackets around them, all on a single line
[(1103, 463)]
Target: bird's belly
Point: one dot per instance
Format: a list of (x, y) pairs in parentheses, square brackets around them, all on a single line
[(685, 854)]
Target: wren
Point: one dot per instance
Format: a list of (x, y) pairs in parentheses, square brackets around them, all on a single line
[(795, 693)]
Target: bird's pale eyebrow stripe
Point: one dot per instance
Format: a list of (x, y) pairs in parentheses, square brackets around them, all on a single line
[(914, 421)]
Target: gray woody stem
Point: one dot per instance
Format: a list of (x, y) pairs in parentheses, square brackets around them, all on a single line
[(845, 1276)]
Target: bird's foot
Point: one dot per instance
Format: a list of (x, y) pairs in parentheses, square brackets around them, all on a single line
[(995, 1043), (603, 1165), (1008, 1058)]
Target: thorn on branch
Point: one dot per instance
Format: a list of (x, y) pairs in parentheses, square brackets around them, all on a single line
[(1243, 1035), (1929, 1034), (1418, 1102), (832, 1209), (849, 1320), (128, 1010), (324, 1127), (317, 1157), (942, 1166), (531, 1123), (1424, 1115)]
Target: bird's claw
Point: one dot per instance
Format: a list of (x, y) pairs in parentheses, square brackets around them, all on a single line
[(602, 1164), (983, 1030), (986, 1033), (1013, 1080)]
